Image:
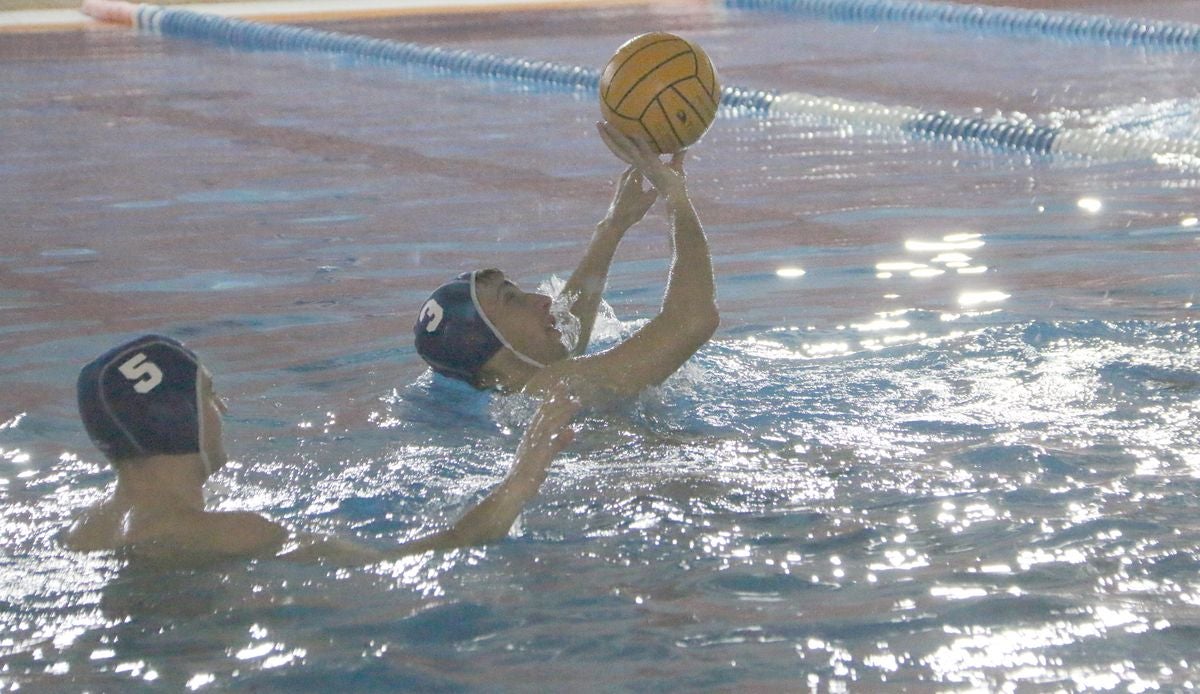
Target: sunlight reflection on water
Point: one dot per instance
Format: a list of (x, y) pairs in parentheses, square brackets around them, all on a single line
[(945, 438)]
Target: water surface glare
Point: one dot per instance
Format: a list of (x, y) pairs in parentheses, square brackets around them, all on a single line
[(946, 438)]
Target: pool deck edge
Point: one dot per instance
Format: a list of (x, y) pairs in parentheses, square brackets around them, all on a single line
[(40, 21)]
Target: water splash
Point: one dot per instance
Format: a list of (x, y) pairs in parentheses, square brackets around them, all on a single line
[(567, 323), (1175, 118)]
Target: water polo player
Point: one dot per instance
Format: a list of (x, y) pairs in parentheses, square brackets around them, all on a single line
[(149, 406), (483, 329)]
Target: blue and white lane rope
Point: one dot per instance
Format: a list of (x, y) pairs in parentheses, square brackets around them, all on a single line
[(1016, 134), (1067, 26), (1008, 134), (240, 33)]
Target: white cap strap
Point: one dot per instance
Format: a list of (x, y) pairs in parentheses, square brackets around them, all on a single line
[(479, 309)]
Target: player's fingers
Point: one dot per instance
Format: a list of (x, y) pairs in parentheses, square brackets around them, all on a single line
[(645, 149), (631, 178), (617, 143)]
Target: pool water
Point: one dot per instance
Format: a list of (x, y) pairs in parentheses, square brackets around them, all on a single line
[(945, 438)]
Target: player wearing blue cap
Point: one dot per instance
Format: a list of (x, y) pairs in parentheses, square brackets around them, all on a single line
[(483, 329), (149, 406)]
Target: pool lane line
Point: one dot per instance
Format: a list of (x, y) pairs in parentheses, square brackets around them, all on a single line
[(1014, 134), (1009, 21), (1007, 133), (250, 35), (333, 10), (31, 21)]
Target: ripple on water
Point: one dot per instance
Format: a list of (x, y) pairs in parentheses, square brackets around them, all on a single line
[(202, 282), (957, 510)]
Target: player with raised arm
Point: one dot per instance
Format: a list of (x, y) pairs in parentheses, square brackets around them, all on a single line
[(483, 329)]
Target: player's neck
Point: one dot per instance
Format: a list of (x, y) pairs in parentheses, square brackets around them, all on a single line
[(158, 481), (510, 375)]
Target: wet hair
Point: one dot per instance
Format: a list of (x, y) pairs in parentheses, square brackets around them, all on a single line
[(454, 336), (143, 398)]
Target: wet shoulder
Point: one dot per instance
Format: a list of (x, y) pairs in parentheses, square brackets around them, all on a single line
[(95, 529), (585, 377), (205, 536)]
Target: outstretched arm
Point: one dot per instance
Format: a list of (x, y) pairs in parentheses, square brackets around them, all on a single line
[(490, 519), (688, 316), (188, 537), (586, 284)]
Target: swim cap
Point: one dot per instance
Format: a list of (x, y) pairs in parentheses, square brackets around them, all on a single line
[(142, 399), (453, 334)]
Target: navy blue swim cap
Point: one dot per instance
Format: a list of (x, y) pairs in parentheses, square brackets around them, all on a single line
[(451, 333), (142, 399)]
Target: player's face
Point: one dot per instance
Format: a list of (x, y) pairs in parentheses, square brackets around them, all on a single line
[(522, 317), (212, 409)]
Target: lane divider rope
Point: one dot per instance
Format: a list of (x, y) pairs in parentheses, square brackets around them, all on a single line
[(1067, 26), (1001, 133)]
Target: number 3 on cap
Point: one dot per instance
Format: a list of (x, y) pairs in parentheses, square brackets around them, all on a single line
[(434, 312), (146, 373)]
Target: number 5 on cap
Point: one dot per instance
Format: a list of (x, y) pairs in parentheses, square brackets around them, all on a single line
[(146, 373)]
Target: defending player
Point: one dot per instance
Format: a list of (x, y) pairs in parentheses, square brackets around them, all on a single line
[(149, 406)]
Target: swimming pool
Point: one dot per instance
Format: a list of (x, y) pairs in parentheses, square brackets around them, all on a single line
[(944, 439)]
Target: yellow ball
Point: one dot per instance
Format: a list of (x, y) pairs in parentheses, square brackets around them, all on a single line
[(661, 88)]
